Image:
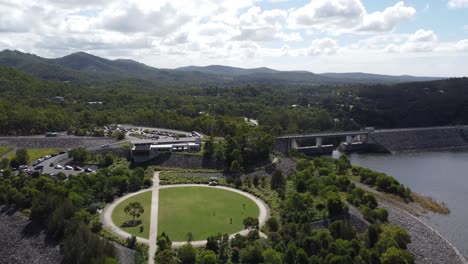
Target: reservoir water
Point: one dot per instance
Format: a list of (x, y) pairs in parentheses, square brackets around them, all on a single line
[(441, 175)]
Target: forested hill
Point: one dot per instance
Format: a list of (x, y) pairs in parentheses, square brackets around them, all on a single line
[(84, 68), (435, 103)]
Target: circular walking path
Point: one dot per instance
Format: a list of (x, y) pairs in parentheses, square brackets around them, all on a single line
[(106, 215)]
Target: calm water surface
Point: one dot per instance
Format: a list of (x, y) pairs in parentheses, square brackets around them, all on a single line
[(441, 175)]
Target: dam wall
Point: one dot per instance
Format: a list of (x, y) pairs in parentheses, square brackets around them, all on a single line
[(435, 138)]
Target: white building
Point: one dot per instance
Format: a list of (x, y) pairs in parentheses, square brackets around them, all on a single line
[(147, 149)]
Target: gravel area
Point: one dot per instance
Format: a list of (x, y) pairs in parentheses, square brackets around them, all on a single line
[(54, 142), (24, 242), (124, 254), (428, 246)]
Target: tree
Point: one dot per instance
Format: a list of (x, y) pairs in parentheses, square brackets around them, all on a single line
[(135, 209), (235, 167), (225, 250), (163, 242), (372, 235), (212, 243), (252, 254), (251, 223), (301, 257), (131, 242), (393, 256), (167, 256), (4, 163), (79, 155), (21, 158), (187, 254), (272, 224), (208, 257), (277, 180), (342, 229), (334, 204), (291, 253), (107, 160), (120, 135), (209, 148), (271, 256)]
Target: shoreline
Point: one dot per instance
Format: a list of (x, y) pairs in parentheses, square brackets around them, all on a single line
[(427, 244)]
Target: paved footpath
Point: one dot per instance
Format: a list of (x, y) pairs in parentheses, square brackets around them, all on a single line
[(154, 218), (106, 218), (106, 215)]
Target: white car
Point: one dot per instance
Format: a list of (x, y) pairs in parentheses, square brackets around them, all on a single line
[(58, 167), (47, 157), (68, 167)]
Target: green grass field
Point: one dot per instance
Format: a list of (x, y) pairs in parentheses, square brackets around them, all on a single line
[(119, 216), (5, 150), (36, 153), (202, 211)]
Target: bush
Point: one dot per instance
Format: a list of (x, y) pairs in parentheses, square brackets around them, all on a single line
[(96, 227), (272, 224), (131, 242), (381, 214)]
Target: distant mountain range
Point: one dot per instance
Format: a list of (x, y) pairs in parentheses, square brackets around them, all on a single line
[(85, 68)]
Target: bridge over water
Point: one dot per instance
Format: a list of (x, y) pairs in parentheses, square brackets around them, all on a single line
[(382, 140)]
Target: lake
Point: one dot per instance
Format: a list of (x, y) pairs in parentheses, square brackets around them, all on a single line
[(441, 175)]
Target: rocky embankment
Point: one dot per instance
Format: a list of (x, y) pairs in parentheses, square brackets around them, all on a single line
[(427, 245), (53, 142), (22, 241)]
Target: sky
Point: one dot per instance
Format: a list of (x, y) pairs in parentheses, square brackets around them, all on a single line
[(414, 37)]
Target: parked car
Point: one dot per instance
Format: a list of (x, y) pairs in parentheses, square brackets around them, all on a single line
[(54, 154), (88, 170), (62, 152), (68, 167), (39, 167), (213, 183), (47, 157), (77, 168), (58, 167)]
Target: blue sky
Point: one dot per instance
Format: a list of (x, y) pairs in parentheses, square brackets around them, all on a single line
[(390, 37)]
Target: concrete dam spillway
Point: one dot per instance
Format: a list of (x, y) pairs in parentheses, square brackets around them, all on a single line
[(383, 140)]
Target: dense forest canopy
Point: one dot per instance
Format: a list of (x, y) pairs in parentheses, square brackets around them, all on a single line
[(27, 105)]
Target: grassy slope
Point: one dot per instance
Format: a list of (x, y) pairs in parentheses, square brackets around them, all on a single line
[(5, 150), (37, 153), (191, 209), (119, 216)]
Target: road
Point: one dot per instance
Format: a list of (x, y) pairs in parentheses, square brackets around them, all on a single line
[(153, 235), (63, 159)]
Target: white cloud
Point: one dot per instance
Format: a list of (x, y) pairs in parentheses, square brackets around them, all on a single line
[(131, 19), (345, 16), (258, 25), (462, 45), (328, 15), (421, 41), (325, 46), (388, 19), (458, 3)]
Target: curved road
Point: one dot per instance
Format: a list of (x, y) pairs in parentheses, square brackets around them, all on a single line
[(106, 215)]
